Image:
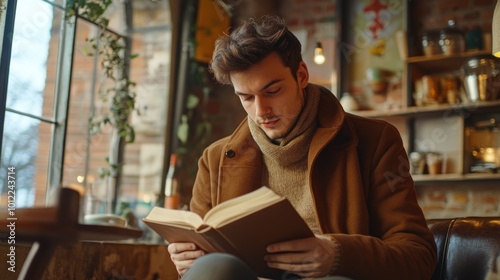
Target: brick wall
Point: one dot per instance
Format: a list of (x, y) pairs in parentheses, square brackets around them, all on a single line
[(467, 13)]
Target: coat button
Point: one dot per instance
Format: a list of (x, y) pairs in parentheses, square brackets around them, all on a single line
[(230, 153)]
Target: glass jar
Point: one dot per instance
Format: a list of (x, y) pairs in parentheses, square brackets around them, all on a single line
[(435, 163), (430, 43), (450, 88), (432, 90), (451, 39), (417, 162)]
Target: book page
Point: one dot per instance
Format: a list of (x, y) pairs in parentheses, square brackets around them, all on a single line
[(179, 218), (233, 209)]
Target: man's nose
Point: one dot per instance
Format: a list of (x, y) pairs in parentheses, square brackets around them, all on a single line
[(262, 107)]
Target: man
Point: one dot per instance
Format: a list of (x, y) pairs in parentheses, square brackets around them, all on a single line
[(347, 176)]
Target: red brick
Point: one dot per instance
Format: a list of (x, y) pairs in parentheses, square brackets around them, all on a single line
[(452, 4), (477, 3)]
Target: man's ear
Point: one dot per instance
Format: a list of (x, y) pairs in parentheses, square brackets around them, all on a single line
[(302, 75)]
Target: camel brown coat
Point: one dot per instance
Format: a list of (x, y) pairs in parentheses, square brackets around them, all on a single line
[(363, 193)]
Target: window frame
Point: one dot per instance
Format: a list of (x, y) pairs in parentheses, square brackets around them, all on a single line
[(63, 81)]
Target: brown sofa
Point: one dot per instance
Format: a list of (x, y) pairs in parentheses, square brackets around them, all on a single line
[(468, 248)]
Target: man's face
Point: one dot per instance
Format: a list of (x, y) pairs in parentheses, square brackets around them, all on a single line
[(270, 95)]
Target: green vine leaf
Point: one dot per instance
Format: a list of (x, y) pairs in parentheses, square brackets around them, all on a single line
[(192, 101)]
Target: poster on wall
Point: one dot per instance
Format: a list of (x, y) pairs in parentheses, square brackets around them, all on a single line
[(210, 24), (374, 54)]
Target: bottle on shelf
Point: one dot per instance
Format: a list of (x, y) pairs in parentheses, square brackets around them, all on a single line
[(172, 195)]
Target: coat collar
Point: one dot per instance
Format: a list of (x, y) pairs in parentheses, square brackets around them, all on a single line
[(335, 126)]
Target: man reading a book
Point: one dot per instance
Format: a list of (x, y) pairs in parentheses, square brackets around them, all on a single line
[(347, 176)]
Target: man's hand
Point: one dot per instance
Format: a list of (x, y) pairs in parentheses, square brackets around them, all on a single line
[(183, 255), (310, 257)]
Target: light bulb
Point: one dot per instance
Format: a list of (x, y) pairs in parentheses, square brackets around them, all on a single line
[(319, 58), (80, 178)]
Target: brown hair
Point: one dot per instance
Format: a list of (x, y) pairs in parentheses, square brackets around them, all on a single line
[(250, 43)]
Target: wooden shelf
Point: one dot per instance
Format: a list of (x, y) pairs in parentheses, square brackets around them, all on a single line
[(450, 110), (443, 63), (455, 177)]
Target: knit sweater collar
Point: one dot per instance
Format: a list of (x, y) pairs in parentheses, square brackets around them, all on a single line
[(295, 145)]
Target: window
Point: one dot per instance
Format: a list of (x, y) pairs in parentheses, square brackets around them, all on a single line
[(51, 87)]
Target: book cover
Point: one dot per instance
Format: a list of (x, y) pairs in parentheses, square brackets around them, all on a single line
[(244, 227)]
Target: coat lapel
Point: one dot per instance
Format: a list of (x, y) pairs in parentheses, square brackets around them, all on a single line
[(241, 165)]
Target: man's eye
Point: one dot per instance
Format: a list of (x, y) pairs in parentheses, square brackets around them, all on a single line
[(247, 97), (273, 91)]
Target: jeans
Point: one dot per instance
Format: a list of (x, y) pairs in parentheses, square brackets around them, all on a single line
[(219, 266)]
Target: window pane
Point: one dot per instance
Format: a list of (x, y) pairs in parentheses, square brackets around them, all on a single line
[(34, 55), (142, 173), (86, 154), (26, 140), (151, 13), (26, 144)]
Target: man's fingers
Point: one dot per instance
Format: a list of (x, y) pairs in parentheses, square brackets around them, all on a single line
[(175, 248), (297, 245), (187, 255), (183, 255)]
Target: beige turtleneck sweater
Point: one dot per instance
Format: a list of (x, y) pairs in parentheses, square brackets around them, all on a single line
[(285, 164)]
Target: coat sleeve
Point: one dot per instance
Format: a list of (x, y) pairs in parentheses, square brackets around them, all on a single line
[(400, 245)]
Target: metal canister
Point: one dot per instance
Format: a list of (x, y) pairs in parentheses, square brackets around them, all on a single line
[(481, 78)]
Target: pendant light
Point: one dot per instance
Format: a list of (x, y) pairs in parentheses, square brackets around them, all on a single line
[(319, 57)]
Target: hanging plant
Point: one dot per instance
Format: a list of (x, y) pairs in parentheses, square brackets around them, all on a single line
[(111, 50), (91, 9)]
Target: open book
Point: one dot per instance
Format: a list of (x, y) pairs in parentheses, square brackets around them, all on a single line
[(243, 226)]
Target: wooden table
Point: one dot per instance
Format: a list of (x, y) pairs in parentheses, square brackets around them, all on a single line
[(49, 227)]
